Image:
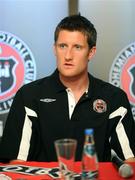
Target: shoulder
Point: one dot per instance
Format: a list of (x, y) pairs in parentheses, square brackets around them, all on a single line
[(106, 88), (114, 96), (34, 88)]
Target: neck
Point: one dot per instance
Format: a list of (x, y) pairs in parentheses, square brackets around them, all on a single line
[(78, 85), (75, 83)]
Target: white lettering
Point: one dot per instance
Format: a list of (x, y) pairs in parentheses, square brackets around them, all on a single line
[(13, 42), (12, 168), (8, 38), (42, 171), (7, 103), (115, 83), (30, 169), (120, 62), (116, 76), (29, 64), (25, 53), (2, 37), (128, 53), (116, 69), (133, 48), (18, 46)]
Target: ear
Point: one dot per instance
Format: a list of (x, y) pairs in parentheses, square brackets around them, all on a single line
[(92, 52), (54, 49)]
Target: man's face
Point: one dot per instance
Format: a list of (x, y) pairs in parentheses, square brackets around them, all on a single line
[(72, 53)]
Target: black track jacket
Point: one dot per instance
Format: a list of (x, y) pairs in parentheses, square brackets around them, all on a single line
[(39, 115)]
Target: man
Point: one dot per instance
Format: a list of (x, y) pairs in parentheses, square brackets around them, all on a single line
[(63, 104)]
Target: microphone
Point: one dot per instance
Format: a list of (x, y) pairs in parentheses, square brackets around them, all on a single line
[(125, 170)]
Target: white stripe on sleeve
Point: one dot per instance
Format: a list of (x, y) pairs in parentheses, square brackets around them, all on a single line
[(30, 112), (26, 135), (122, 136)]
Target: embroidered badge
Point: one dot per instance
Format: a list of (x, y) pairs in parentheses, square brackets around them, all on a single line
[(47, 100), (99, 106)]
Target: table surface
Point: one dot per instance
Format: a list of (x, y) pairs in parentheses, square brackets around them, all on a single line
[(36, 170)]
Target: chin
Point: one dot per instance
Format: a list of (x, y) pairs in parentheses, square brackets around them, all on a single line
[(69, 75)]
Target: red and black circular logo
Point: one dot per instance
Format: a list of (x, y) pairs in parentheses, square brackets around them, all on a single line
[(17, 67), (99, 106), (122, 73)]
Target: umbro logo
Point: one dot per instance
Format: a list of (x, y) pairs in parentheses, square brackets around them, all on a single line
[(47, 100)]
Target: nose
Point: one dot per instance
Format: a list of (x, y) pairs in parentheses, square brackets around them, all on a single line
[(68, 54)]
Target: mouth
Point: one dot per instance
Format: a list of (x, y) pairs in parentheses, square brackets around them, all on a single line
[(68, 65)]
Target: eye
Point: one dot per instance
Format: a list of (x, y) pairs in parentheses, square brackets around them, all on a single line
[(78, 47), (62, 45)]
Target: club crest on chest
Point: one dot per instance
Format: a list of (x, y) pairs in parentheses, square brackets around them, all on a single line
[(99, 106)]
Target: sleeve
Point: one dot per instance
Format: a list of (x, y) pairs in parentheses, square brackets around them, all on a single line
[(123, 137), (15, 143)]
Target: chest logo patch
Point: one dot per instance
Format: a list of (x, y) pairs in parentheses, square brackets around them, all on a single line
[(99, 106)]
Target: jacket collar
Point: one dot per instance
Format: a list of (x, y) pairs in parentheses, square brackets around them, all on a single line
[(57, 85)]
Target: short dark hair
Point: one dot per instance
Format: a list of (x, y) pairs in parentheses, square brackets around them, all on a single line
[(78, 23)]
